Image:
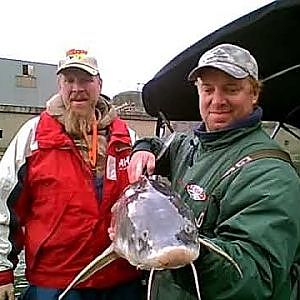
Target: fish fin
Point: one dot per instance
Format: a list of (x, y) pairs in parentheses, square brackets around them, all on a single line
[(99, 262), (212, 246)]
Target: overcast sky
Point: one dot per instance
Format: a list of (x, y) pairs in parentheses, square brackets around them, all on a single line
[(132, 39)]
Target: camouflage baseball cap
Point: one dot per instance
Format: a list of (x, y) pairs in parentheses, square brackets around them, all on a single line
[(231, 59), (78, 59)]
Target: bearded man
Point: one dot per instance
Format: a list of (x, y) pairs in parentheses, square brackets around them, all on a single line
[(59, 178)]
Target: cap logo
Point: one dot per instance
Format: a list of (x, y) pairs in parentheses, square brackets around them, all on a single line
[(76, 54)]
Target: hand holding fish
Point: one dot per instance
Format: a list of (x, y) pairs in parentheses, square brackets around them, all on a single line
[(141, 162)]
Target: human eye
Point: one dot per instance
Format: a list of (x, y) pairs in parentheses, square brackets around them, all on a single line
[(68, 80), (87, 80), (232, 89), (206, 89)]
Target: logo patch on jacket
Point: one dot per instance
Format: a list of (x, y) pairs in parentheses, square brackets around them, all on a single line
[(196, 192), (123, 163), (111, 172)]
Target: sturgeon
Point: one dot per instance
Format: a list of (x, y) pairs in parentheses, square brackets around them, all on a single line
[(154, 230)]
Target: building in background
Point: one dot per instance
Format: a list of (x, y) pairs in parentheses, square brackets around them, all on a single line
[(24, 88), (25, 83), (130, 108)]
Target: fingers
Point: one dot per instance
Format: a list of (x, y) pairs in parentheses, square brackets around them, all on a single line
[(139, 168), (141, 162), (111, 233), (151, 165)]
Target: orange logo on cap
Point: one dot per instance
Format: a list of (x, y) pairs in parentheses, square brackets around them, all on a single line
[(78, 54)]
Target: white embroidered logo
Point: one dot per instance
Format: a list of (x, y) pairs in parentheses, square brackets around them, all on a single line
[(196, 192), (123, 163), (238, 165)]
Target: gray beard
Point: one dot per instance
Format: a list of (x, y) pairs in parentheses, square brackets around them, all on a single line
[(78, 124)]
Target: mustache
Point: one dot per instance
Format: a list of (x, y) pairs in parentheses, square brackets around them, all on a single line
[(78, 96)]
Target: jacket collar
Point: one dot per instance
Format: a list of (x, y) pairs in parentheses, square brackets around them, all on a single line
[(230, 133)]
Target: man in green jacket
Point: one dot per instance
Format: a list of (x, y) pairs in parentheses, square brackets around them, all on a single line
[(239, 183)]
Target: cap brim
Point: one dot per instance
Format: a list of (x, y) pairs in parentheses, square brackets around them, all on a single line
[(232, 70), (83, 67)]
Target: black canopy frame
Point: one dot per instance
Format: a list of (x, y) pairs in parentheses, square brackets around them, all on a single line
[(271, 34)]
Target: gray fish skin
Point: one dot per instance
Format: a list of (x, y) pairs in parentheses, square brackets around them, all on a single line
[(154, 228)]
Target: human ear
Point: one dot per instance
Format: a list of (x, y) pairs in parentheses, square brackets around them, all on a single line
[(254, 99)]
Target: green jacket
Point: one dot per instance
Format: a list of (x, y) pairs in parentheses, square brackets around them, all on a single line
[(253, 214)]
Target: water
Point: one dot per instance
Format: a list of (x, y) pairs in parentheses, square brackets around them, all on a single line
[(20, 281)]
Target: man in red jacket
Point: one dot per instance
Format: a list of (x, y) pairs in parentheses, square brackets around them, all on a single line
[(59, 178)]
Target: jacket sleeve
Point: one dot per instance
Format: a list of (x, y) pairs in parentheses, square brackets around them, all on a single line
[(154, 145), (259, 227), (12, 191)]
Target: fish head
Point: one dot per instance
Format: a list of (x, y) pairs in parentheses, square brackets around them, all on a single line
[(154, 227)]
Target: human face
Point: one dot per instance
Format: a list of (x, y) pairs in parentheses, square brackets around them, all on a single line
[(224, 99), (79, 90)]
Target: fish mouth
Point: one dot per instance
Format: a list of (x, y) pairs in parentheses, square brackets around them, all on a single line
[(171, 257)]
